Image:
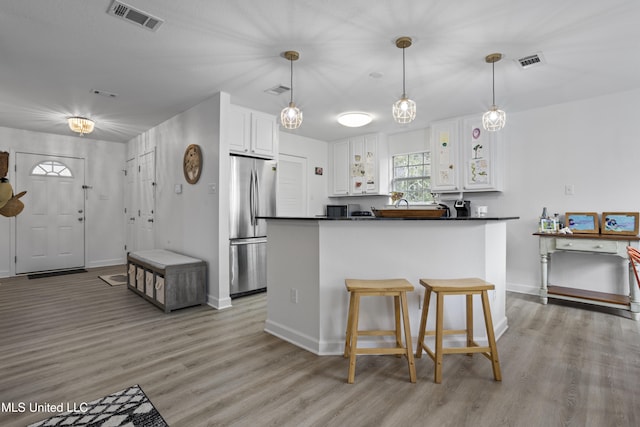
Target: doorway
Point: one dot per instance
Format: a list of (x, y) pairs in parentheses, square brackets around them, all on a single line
[(50, 231)]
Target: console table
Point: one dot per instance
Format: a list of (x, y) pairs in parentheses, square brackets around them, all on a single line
[(596, 244)]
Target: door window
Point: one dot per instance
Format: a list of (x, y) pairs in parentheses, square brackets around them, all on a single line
[(51, 168)]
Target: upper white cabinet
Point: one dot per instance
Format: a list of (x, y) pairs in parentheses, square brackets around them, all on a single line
[(465, 156), (359, 166), (253, 133)]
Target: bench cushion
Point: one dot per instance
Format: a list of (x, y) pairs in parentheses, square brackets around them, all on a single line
[(161, 258)]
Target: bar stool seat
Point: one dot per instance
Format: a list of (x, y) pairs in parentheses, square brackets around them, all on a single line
[(467, 287), (397, 288)]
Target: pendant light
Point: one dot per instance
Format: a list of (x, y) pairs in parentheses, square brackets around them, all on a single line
[(291, 116), (404, 109), (494, 119), (81, 125)]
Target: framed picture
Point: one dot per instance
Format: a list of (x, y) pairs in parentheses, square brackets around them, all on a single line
[(192, 163), (582, 222), (620, 223)]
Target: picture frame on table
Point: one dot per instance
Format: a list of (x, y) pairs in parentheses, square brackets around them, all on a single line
[(582, 222), (622, 223)]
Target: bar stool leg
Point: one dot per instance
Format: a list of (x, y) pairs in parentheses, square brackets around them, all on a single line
[(347, 342), (469, 304), (439, 334), (396, 308), (407, 337), (423, 322), (354, 338), (495, 362)]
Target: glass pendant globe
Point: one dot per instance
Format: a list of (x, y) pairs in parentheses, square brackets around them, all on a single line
[(291, 117), (494, 119), (404, 110)]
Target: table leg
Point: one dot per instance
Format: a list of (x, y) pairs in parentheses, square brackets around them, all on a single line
[(544, 281)]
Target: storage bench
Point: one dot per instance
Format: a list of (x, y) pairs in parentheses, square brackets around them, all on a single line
[(167, 279)]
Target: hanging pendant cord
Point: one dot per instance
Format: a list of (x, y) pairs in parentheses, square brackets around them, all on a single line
[(404, 93), (291, 61), (493, 73)]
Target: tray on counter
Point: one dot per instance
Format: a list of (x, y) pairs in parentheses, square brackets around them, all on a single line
[(408, 213)]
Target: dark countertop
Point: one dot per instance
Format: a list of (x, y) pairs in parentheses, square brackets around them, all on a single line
[(373, 218)]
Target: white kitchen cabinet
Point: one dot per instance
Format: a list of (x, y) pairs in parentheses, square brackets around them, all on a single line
[(444, 156), (465, 156), (359, 166), (253, 133), (340, 168)]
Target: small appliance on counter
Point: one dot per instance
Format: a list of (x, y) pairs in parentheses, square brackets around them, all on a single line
[(463, 208), (341, 211)]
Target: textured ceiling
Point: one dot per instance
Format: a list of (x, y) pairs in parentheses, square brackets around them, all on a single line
[(54, 52)]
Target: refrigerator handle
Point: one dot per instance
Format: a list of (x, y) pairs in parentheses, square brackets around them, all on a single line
[(251, 199), (257, 199)]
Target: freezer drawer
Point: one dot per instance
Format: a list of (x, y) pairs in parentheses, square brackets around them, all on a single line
[(247, 266)]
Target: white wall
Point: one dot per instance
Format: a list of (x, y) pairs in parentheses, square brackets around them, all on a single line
[(316, 152), (104, 164), (194, 222)]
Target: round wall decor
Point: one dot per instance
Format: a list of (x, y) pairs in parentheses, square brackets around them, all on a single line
[(192, 164)]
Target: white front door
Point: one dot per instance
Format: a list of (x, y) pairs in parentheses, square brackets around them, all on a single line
[(50, 229), (147, 173)]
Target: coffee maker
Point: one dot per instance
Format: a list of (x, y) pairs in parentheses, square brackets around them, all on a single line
[(463, 208)]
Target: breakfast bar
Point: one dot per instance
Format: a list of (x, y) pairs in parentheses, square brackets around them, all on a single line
[(308, 260)]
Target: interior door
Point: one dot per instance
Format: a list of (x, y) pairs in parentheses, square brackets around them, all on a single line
[(147, 173), (292, 186), (130, 206), (50, 229)]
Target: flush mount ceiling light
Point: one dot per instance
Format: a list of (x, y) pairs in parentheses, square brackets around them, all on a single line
[(81, 125), (494, 119), (354, 119), (291, 116), (404, 109)]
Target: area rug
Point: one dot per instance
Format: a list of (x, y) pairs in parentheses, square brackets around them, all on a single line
[(115, 279), (129, 407)]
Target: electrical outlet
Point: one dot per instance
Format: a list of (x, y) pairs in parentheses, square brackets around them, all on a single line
[(569, 190), (293, 295)]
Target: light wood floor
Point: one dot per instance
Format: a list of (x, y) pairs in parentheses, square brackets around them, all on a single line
[(74, 338)]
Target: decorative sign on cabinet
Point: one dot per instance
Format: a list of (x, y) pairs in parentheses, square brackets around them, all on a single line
[(466, 158), (253, 133), (359, 163)]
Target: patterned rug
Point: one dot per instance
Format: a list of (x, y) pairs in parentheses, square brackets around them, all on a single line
[(115, 279), (129, 407)]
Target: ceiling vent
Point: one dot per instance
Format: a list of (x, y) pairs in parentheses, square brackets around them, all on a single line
[(135, 16), (531, 60), (278, 90)]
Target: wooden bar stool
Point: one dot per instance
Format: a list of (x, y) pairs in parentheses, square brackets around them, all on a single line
[(397, 288), (468, 287)]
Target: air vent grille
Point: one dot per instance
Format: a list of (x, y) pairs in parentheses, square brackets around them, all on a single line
[(278, 90), (531, 60), (135, 16)]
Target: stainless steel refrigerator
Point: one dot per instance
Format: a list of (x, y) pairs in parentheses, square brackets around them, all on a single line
[(253, 194)]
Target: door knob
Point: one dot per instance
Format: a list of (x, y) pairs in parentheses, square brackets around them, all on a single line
[(80, 219), (80, 211), (133, 218), (150, 220)]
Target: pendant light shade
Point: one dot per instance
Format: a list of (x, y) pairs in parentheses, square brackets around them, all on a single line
[(291, 116), (404, 109), (494, 119), (81, 125)]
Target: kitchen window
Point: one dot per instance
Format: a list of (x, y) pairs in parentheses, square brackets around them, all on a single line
[(412, 176)]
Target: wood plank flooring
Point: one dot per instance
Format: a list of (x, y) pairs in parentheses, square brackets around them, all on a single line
[(74, 338)]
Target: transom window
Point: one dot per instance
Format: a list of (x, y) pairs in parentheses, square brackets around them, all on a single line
[(412, 176), (51, 168)]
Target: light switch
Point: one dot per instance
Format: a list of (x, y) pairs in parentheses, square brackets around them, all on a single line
[(177, 188), (212, 188)]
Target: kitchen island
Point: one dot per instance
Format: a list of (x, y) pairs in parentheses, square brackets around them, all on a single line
[(309, 258)]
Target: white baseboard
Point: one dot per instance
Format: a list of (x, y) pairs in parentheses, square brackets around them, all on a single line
[(219, 303), (523, 289)]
